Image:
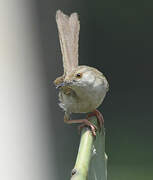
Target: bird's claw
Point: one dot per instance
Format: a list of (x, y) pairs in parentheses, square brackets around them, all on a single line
[(99, 117), (90, 125)]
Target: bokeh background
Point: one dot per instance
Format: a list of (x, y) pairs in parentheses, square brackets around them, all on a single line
[(116, 37)]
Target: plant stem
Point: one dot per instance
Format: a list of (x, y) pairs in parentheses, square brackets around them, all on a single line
[(81, 168)]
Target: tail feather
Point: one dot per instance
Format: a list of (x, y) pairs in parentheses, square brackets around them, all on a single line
[(68, 29)]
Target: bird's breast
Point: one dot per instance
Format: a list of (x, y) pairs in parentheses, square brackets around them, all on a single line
[(81, 100)]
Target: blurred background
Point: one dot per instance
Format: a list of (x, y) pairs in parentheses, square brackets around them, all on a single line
[(116, 37)]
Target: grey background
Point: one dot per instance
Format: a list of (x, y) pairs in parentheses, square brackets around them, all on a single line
[(116, 37)]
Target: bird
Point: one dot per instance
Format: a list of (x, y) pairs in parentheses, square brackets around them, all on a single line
[(82, 88)]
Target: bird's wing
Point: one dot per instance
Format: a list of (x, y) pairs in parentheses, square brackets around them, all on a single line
[(68, 29)]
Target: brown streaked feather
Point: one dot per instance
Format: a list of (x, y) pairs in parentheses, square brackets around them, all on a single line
[(59, 80), (68, 28), (67, 90)]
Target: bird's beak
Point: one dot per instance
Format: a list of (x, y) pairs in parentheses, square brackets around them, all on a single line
[(63, 84), (60, 85)]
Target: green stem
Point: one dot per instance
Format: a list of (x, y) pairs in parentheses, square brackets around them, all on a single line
[(81, 168)]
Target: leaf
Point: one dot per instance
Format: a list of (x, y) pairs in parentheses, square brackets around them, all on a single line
[(98, 164)]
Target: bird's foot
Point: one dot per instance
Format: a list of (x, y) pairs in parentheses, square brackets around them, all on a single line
[(100, 120), (87, 123), (99, 117)]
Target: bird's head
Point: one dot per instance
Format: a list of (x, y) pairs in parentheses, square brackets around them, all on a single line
[(82, 77)]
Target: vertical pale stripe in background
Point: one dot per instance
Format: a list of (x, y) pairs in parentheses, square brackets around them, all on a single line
[(26, 150)]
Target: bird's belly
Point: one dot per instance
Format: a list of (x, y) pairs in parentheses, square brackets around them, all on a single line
[(74, 104)]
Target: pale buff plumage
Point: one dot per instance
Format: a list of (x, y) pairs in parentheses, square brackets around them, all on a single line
[(81, 88), (68, 29)]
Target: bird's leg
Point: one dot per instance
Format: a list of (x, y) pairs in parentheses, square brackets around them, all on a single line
[(84, 121), (99, 117)]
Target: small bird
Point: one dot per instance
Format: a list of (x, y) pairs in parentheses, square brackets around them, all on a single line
[(81, 88)]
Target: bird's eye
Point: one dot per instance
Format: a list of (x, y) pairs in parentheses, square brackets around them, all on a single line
[(78, 75)]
